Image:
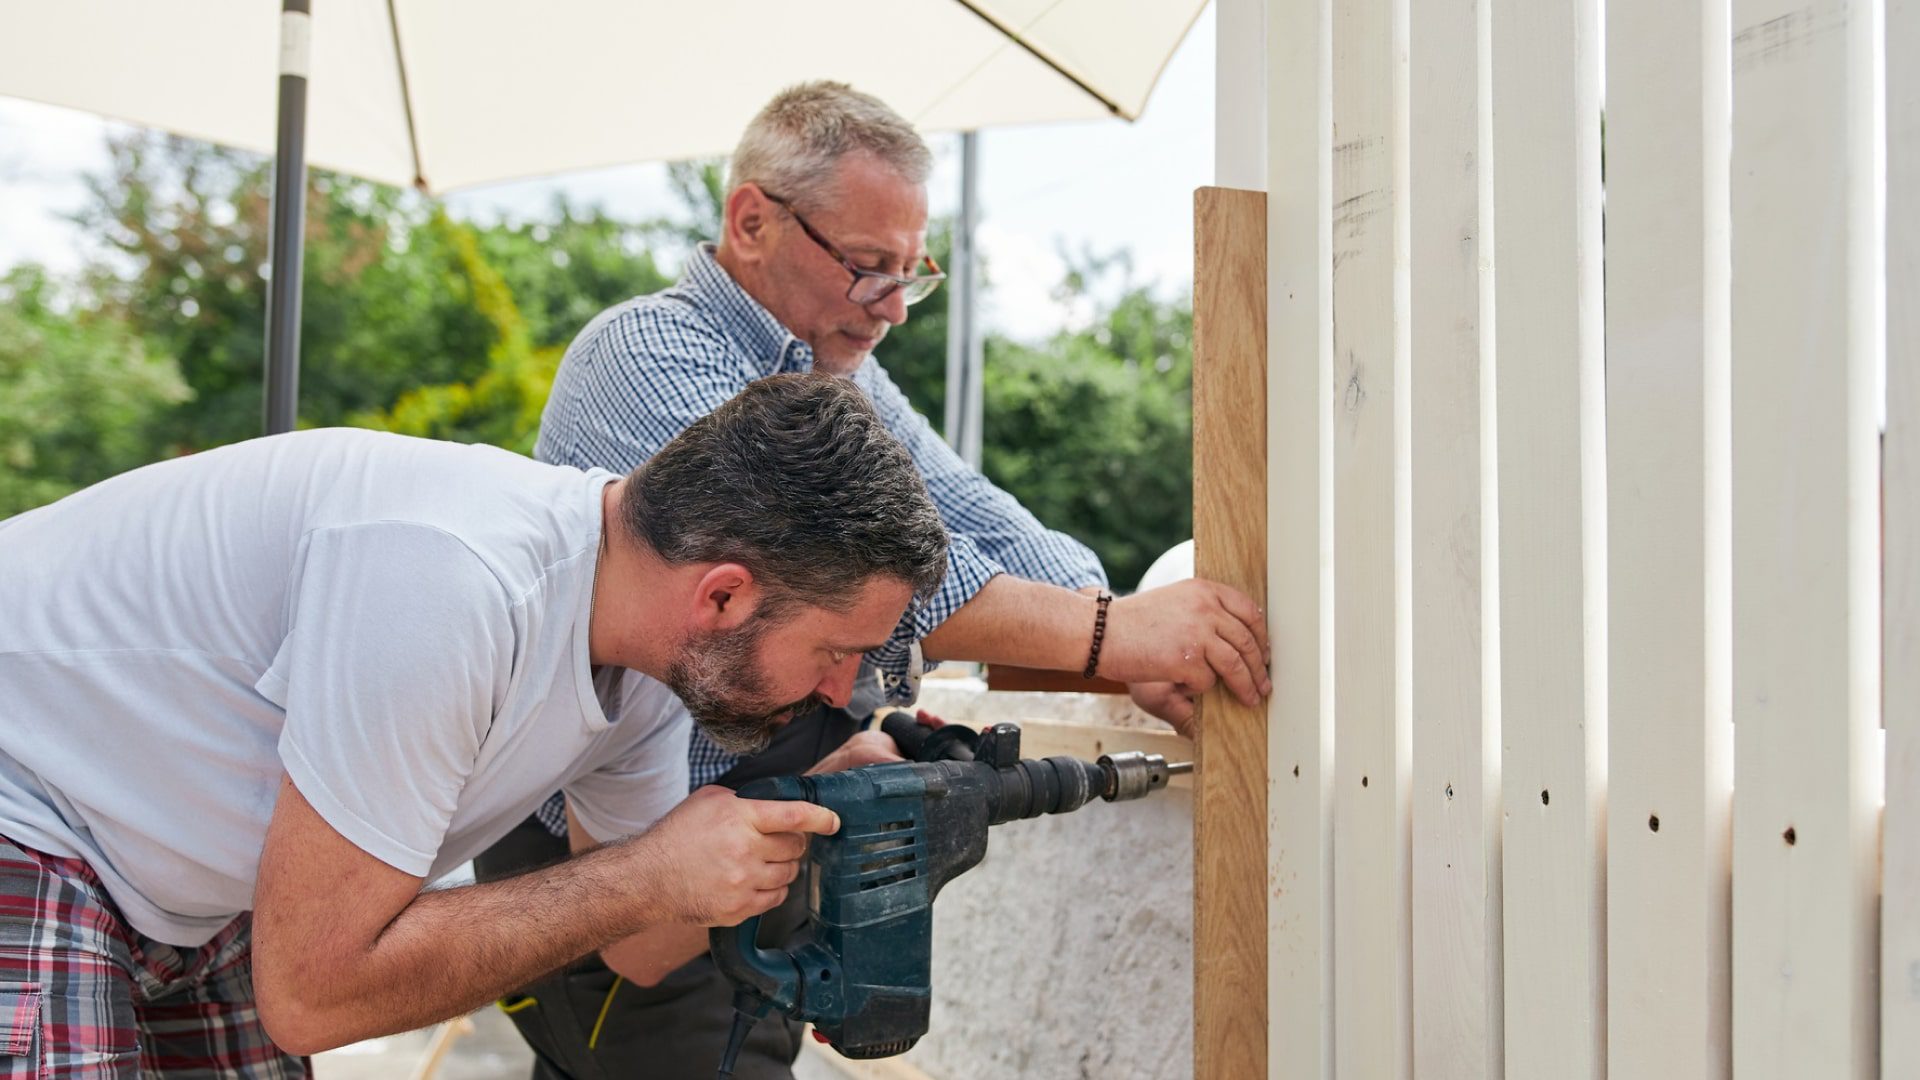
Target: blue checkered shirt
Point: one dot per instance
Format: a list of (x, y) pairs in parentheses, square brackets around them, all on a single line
[(643, 370)]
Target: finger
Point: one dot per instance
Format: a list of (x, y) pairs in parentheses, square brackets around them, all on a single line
[(1241, 606), (1234, 672), (779, 817), (775, 875), (1243, 642), (927, 719), (1178, 711), (781, 847)]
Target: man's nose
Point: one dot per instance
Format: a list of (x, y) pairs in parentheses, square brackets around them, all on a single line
[(837, 687), (891, 307)]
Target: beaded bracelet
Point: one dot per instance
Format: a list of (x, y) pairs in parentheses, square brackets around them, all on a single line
[(1099, 633)]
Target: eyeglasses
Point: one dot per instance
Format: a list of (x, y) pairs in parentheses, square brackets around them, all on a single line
[(870, 286)]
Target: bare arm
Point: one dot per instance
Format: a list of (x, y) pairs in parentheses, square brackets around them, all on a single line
[(1191, 634), (347, 947)]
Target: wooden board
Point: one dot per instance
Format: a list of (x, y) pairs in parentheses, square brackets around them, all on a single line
[(1048, 738), (1372, 986), (1230, 543), (1011, 677), (1457, 1018), (1546, 141), (1670, 737), (1299, 494), (1900, 843), (1805, 594)]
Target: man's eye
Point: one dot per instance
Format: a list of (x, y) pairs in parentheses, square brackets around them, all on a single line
[(837, 656)]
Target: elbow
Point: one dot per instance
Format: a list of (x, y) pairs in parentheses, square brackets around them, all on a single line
[(295, 1023)]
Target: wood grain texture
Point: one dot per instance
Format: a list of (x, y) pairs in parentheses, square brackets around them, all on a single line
[(1806, 259), (1552, 495), (1900, 841), (1372, 1007), (1670, 736), (1230, 545), (1457, 1010), (1299, 493)]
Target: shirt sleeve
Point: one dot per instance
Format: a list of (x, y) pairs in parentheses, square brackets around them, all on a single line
[(639, 380), (647, 776), (399, 647), (991, 533)]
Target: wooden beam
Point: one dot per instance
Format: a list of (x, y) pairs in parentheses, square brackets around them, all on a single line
[(1009, 677), (1457, 1016), (1670, 734), (1299, 491), (1373, 766), (1551, 413), (1230, 546), (1900, 839), (1807, 252)]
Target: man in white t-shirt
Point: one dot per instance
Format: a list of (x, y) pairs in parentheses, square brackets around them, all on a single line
[(251, 701)]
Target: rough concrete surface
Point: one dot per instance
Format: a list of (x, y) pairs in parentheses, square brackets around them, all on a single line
[(1068, 953)]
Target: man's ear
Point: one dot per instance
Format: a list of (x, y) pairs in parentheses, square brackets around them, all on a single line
[(749, 220), (725, 598)]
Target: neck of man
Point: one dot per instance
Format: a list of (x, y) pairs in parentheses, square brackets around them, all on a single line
[(626, 629), (744, 274)]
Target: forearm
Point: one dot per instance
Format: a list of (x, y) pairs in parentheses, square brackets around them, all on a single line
[(1015, 621), (453, 950)]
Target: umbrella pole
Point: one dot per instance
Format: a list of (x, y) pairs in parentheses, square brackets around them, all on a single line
[(286, 241), (965, 356)]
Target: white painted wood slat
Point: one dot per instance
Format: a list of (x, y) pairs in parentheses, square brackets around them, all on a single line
[(1670, 740), (1546, 139), (1372, 947), (1457, 1015), (1300, 744), (1806, 258), (1900, 842)]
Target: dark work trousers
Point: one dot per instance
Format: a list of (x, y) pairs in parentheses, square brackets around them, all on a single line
[(586, 1023)]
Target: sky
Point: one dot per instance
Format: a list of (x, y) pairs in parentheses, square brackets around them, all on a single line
[(1083, 186)]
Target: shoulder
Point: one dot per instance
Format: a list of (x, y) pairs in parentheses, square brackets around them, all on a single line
[(661, 330)]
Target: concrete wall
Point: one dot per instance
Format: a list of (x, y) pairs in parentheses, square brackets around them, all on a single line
[(1068, 952)]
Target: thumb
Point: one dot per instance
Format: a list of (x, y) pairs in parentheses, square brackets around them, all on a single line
[(806, 817)]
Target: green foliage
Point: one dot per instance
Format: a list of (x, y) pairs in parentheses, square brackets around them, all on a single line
[(76, 392), (1093, 432), (415, 323), (502, 404)]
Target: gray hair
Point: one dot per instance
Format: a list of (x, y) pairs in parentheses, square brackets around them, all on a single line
[(793, 146), (796, 479)]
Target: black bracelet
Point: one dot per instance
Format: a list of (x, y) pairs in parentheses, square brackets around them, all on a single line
[(1099, 633)]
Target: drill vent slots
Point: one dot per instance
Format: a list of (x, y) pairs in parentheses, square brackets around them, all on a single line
[(891, 856)]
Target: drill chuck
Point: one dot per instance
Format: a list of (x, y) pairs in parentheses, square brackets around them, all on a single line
[(1132, 774)]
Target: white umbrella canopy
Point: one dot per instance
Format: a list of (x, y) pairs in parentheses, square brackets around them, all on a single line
[(444, 94)]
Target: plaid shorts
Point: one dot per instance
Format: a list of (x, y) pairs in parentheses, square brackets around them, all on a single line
[(85, 997)]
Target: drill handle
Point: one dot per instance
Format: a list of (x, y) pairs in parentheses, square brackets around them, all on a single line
[(768, 974)]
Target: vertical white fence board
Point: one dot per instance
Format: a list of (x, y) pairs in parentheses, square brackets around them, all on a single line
[(1300, 744), (1372, 987), (1805, 592), (1456, 782), (1670, 741), (1240, 94), (1546, 141), (1900, 843)]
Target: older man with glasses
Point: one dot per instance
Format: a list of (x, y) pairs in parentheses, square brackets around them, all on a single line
[(823, 248)]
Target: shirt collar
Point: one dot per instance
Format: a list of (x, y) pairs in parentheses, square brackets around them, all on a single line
[(741, 317)]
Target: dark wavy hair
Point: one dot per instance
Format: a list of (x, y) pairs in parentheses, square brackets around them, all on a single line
[(797, 480)]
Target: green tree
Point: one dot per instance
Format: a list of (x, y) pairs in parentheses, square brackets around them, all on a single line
[(1093, 431), (77, 390)]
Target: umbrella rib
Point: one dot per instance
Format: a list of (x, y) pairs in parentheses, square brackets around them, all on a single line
[(406, 96), (1040, 54)]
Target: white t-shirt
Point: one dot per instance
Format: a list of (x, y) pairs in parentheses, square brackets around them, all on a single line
[(399, 624)]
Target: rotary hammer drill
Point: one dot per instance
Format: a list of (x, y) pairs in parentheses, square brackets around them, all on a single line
[(906, 829)]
